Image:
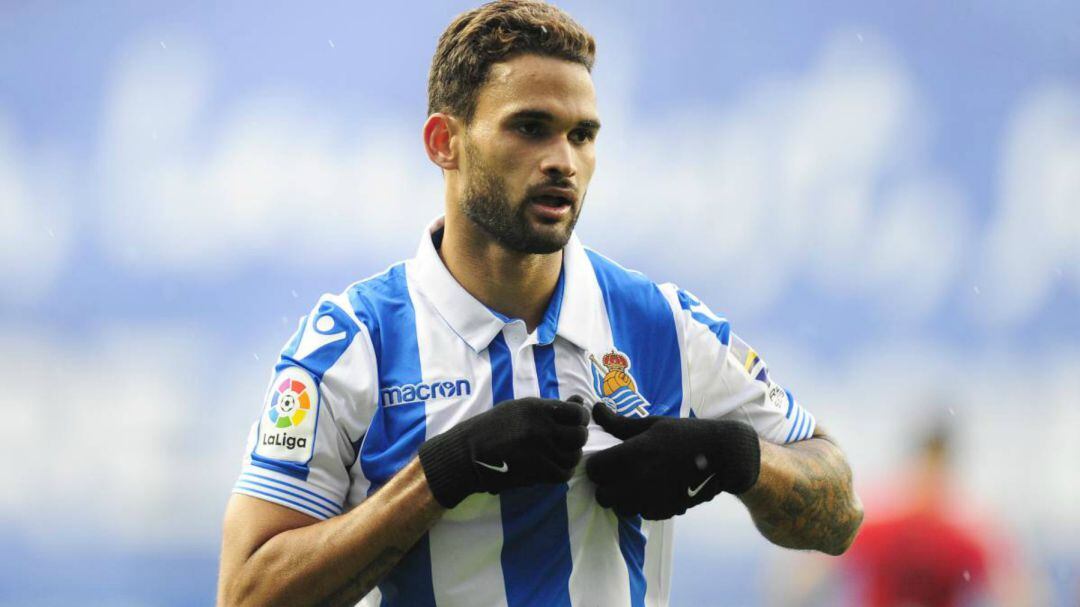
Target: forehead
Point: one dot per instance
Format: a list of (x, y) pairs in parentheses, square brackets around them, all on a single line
[(563, 88)]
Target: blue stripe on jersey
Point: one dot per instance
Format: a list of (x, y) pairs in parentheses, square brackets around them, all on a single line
[(333, 505), (794, 424), (248, 484), (383, 304), (805, 434), (274, 496), (545, 371), (502, 371), (720, 328), (535, 557), (632, 545), (643, 328), (545, 333)]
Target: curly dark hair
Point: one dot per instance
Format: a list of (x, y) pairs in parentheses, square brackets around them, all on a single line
[(495, 32)]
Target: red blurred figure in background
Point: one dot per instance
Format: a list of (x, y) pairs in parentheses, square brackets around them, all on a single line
[(923, 544), (921, 554)]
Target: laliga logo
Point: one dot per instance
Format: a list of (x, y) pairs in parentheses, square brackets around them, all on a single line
[(288, 408), (290, 405), (614, 385)]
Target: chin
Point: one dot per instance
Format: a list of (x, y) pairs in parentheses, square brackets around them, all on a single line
[(549, 240)]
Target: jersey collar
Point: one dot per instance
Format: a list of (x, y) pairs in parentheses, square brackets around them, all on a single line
[(574, 306)]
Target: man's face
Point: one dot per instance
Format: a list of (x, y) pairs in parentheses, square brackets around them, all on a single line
[(529, 152)]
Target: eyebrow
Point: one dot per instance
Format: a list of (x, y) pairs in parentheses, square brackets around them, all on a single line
[(545, 116)]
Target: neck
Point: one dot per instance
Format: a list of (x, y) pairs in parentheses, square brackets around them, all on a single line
[(517, 285)]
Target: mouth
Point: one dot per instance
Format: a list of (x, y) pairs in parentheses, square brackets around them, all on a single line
[(554, 196), (551, 208), (553, 201)]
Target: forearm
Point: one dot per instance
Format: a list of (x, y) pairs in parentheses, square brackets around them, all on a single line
[(804, 496), (337, 561)]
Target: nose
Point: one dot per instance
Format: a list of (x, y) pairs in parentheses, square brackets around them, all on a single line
[(558, 163)]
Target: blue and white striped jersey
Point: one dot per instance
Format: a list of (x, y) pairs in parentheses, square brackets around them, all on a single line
[(407, 354)]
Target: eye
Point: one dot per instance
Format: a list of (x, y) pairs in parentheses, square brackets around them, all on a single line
[(582, 135), (531, 129)]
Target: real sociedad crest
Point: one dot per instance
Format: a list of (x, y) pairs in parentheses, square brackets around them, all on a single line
[(615, 386)]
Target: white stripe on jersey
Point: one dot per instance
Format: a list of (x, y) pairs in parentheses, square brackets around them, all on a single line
[(466, 544)]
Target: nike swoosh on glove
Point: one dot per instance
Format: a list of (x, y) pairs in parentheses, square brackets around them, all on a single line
[(516, 443), (666, 465)]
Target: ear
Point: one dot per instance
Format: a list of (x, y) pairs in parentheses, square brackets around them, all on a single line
[(440, 131)]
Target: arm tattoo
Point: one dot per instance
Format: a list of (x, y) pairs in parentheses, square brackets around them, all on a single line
[(810, 502), (366, 579)]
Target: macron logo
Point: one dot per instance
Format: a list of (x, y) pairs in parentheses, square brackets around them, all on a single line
[(415, 393)]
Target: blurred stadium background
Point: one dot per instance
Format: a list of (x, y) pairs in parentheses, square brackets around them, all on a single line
[(884, 198)]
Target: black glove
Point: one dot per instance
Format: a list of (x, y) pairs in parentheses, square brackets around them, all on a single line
[(666, 465), (517, 443)]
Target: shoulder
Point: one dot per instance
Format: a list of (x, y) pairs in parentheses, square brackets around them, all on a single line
[(611, 273), (630, 286), (373, 297), (365, 301), (338, 319), (633, 290)]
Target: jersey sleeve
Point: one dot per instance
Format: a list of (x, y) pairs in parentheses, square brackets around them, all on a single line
[(317, 408), (728, 379)]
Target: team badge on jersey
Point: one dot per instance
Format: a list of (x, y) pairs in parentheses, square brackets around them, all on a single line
[(615, 386), (287, 429)]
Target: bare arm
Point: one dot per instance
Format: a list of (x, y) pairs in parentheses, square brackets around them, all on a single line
[(804, 498), (272, 555)]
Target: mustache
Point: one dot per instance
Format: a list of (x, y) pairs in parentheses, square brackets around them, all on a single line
[(535, 189)]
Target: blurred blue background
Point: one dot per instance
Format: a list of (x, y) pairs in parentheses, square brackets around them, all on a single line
[(884, 198)]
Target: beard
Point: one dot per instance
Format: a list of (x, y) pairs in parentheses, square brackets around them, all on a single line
[(487, 204)]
